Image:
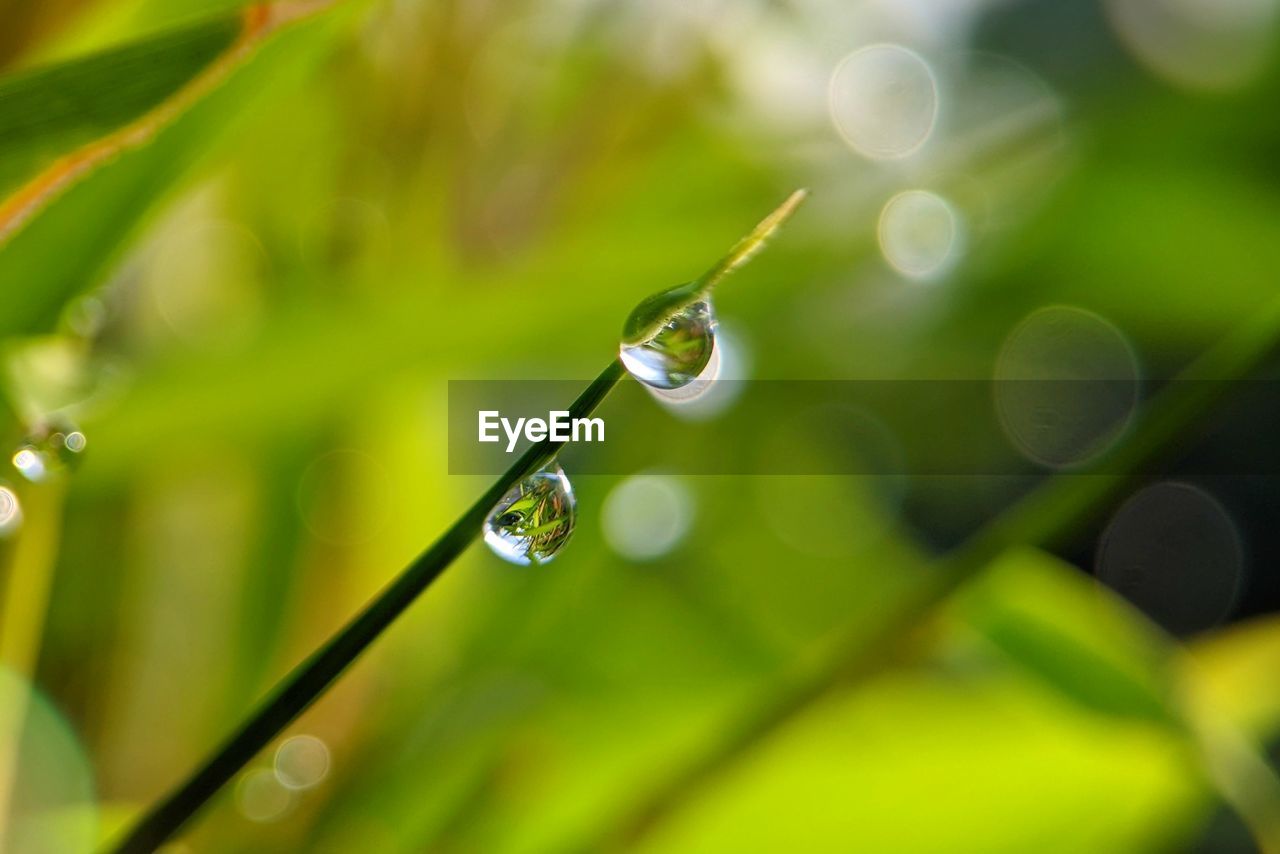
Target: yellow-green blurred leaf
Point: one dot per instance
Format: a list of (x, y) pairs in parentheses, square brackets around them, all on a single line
[(1050, 620), (1234, 674), (983, 767), (87, 145), (58, 112)]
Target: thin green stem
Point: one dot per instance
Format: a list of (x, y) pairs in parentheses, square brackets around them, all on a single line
[(308, 681)]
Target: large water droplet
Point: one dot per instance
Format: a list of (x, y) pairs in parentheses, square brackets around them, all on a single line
[(668, 339), (677, 353), (53, 449), (535, 519)]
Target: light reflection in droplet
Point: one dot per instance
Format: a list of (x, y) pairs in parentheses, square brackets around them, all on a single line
[(646, 516), (716, 388), (884, 101), (260, 797), (1175, 552), (678, 353), (301, 762), (1198, 44), (919, 234), (1066, 386), (535, 519)]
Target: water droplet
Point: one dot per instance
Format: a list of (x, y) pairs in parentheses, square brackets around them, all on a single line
[(535, 519), (10, 511), (669, 337), (677, 353), (717, 388), (52, 450)]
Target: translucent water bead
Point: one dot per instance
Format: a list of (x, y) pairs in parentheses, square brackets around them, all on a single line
[(677, 353), (534, 520)]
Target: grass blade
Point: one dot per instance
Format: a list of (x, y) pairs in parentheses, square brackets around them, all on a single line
[(310, 679)]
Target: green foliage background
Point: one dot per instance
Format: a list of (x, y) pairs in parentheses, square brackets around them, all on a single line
[(389, 195)]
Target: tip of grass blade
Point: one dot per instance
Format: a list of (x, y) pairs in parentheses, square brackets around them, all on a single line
[(747, 247), (657, 309)]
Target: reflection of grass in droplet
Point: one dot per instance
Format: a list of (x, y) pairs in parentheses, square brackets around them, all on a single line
[(535, 520)]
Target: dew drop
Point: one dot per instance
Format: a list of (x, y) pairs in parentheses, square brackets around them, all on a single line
[(677, 353), (534, 520), (53, 449), (669, 337)]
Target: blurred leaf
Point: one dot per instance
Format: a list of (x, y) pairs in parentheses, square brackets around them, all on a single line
[(985, 767), (1077, 637), (1047, 618), (50, 113), (90, 144), (1234, 673)]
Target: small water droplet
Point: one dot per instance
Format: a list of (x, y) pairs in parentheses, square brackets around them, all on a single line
[(53, 449), (678, 352), (535, 519)]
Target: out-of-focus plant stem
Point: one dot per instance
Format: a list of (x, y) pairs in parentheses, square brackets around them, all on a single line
[(1044, 517), (27, 580)]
